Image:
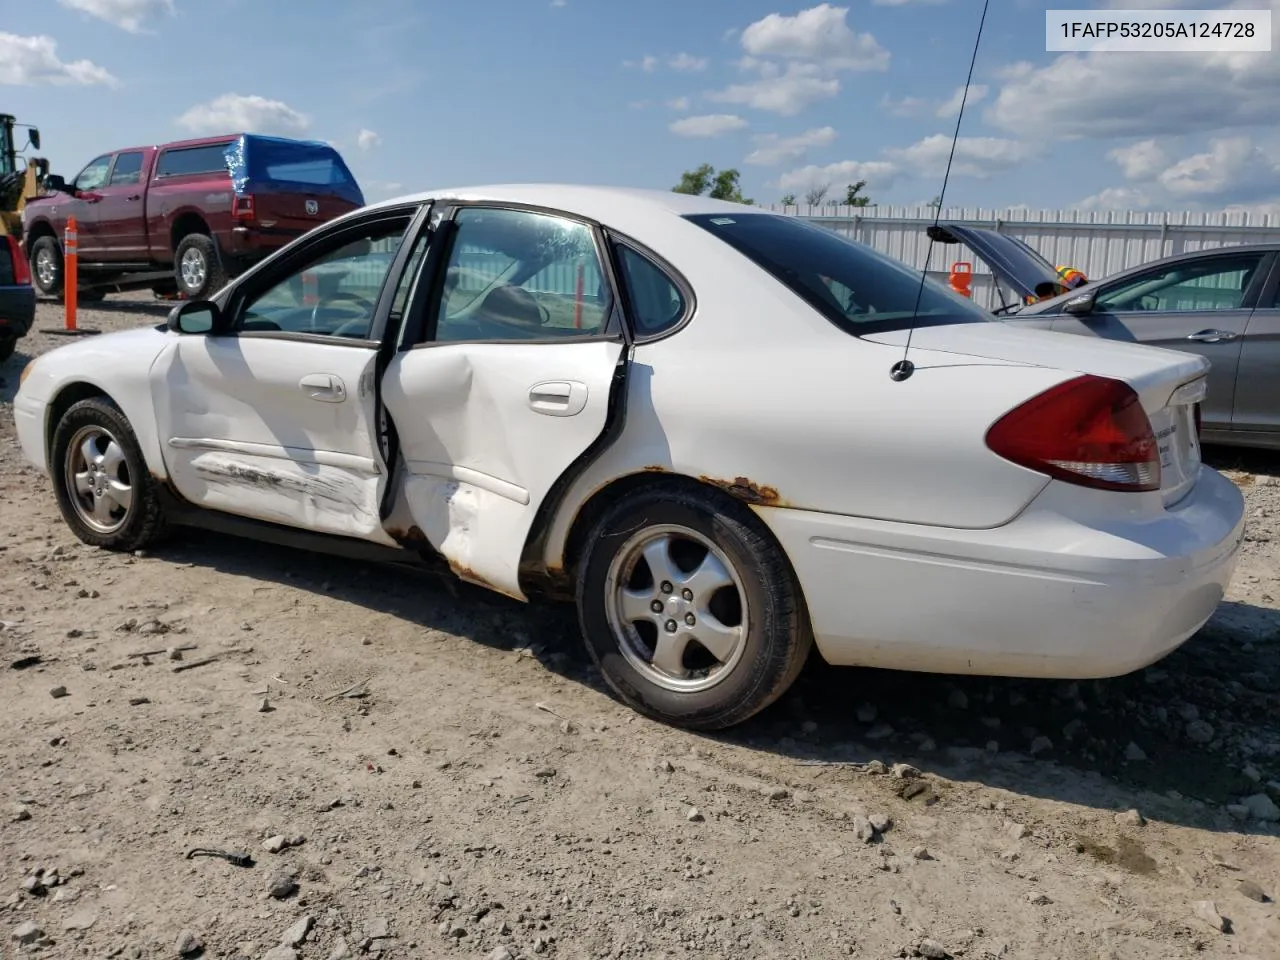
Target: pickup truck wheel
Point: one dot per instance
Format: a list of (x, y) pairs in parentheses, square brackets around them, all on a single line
[(196, 267), (7, 346), (105, 492), (689, 609), (46, 266)]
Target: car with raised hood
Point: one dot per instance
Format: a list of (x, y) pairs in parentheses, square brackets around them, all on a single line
[(205, 208), (679, 414), (1220, 303)]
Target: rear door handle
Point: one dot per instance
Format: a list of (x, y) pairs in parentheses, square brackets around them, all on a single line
[(1212, 336), (558, 398), (324, 387)]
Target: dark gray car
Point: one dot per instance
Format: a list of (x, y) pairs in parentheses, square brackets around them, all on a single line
[(1222, 303)]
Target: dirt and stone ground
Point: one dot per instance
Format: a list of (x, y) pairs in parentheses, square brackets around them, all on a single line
[(437, 772)]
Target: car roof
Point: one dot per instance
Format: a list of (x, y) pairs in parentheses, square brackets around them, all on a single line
[(603, 204), (1171, 260)]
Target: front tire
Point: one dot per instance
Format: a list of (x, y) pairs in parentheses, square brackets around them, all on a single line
[(105, 493), (690, 609), (196, 267), (46, 266)]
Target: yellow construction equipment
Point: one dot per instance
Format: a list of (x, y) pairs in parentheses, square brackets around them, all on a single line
[(17, 184)]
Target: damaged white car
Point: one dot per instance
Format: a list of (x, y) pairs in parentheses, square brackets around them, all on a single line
[(678, 413)]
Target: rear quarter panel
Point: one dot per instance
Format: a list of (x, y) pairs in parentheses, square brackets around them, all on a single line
[(207, 195)]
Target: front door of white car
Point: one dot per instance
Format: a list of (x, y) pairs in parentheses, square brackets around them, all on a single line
[(510, 384), (272, 418)]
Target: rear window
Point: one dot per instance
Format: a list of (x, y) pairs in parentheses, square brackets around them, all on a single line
[(852, 285), (325, 172), (185, 161)]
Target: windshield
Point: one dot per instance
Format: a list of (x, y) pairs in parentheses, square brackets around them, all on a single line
[(849, 283)]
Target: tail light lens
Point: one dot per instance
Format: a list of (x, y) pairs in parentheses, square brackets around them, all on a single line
[(1090, 431), (242, 207), (21, 269)]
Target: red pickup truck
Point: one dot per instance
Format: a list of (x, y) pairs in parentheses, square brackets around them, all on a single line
[(206, 208)]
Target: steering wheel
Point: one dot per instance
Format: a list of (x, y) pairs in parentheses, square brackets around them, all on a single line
[(358, 304)]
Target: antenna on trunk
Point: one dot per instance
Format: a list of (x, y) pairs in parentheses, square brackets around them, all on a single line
[(904, 368)]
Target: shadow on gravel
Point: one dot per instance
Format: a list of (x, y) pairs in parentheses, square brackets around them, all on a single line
[(135, 307), (1186, 729)]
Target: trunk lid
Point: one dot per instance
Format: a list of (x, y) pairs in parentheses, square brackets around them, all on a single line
[(1169, 383)]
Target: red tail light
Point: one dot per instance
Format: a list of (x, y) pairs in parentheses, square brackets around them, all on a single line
[(21, 269), (242, 207), (1090, 431)]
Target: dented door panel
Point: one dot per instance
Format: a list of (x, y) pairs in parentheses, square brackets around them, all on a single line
[(273, 429), (485, 430)]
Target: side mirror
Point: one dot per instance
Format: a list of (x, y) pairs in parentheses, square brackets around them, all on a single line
[(55, 183), (34, 134), (195, 317), (1080, 306)]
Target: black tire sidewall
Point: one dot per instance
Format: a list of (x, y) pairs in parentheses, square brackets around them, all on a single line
[(214, 276), (776, 632), (140, 525), (40, 244), (7, 347)]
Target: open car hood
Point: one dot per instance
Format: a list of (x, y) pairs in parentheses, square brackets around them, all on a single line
[(1013, 262)]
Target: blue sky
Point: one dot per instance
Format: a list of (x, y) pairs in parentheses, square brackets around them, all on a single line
[(424, 93)]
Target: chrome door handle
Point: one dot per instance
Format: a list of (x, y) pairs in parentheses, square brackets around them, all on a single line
[(1212, 336), (324, 387), (558, 398)]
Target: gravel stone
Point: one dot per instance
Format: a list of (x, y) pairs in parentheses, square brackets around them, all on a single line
[(281, 885), (1200, 731), (27, 933), (1262, 807), (296, 934), (1134, 753), (1207, 912), (1251, 890), (189, 943)]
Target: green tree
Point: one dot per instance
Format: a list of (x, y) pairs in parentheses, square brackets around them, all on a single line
[(854, 197), (936, 202), (722, 185), (788, 199)]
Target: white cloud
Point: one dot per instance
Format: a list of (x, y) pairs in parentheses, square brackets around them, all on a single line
[(710, 125), (772, 149), (879, 174), (232, 112), (951, 106), (1116, 198), (128, 15), (1110, 94), (647, 63), (1143, 160), (1233, 167), (367, 140), (905, 106), (25, 61), (785, 93), (974, 156), (903, 3), (678, 103), (819, 35), (559, 3), (687, 63)]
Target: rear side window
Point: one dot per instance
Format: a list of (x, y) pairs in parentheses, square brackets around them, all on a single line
[(850, 284), (656, 303), (185, 161), (128, 169)]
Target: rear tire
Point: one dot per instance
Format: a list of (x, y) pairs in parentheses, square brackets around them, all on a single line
[(46, 266), (197, 270), (715, 633), (105, 492)]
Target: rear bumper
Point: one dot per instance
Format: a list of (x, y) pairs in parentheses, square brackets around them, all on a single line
[(1042, 596), (253, 243), (17, 310)]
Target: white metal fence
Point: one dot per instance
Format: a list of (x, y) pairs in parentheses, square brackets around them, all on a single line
[(1098, 243)]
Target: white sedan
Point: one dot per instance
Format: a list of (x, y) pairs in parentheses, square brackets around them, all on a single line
[(680, 413)]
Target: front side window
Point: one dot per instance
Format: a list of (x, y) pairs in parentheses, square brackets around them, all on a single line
[(94, 175), (128, 169), (849, 283), (335, 294), (517, 275), (1219, 283)]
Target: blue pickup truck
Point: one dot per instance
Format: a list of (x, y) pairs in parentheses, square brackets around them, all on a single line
[(17, 296)]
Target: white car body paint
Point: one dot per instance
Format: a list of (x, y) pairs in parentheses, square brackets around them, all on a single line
[(916, 547)]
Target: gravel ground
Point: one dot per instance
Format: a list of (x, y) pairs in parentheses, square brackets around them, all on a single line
[(421, 769)]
